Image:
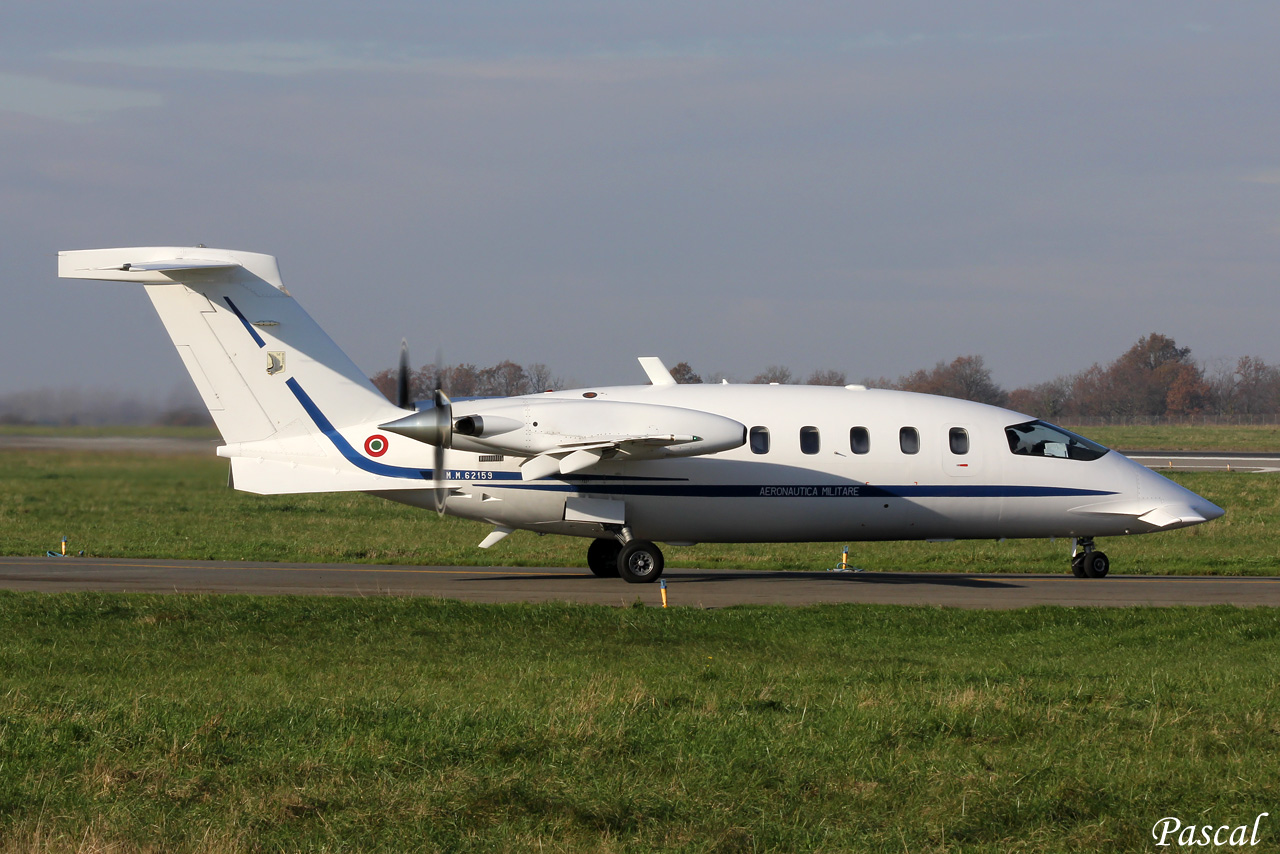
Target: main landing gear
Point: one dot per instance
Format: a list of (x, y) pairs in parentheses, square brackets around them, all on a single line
[(1086, 561), (637, 562)]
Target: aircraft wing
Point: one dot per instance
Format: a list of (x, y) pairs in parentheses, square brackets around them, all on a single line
[(572, 457)]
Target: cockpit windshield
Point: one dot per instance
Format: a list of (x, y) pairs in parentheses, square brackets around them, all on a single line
[(1042, 439)]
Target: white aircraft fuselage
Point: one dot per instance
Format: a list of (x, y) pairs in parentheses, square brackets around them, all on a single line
[(627, 466), (832, 494)]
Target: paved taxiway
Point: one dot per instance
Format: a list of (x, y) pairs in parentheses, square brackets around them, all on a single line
[(1206, 461), (690, 587)]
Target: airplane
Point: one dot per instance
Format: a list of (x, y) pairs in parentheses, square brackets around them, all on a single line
[(629, 466)]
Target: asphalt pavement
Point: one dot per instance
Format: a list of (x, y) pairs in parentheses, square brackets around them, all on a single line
[(699, 588)]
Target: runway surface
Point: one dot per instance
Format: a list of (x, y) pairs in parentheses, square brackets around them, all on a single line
[(685, 587), (1206, 461)]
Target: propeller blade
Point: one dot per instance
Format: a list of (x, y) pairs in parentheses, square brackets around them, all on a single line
[(445, 417), (402, 378)]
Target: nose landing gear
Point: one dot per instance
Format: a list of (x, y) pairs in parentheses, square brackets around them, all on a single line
[(1088, 562)]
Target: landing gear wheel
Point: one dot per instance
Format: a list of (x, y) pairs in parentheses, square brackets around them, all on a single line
[(1077, 566), (640, 562), (1095, 565), (602, 557)]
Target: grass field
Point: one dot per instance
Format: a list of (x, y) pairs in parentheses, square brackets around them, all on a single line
[(186, 723), (133, 723), (1188, 437), (130, 505), (86, 431)]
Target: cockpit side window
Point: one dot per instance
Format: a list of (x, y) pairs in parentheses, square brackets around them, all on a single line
[(1042, 439)]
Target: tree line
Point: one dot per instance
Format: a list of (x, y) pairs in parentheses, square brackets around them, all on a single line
[(1153, 378), (467, 380)]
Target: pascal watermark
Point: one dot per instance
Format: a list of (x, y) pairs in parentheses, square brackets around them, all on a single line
[(1171, 831)]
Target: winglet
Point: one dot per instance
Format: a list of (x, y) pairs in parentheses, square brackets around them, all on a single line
[(658, 373)]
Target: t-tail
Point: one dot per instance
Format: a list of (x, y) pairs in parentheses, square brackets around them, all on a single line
[(296, 413)]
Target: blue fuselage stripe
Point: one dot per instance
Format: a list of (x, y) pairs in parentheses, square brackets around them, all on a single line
[(344, 447), (828, 490)]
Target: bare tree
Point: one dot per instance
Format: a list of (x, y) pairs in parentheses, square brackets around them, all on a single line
[(503, 380), (684, 374), (385, 382), (1154, 377), (1049, 399), (826, 376), (1248, 387), (774, 374), (540, 378), (461, 380), (967, 377)]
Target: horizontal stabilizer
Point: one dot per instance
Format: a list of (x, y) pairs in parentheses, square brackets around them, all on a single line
[(166, 265), (177, 265)]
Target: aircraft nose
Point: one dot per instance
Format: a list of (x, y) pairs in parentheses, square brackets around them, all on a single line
[(1176, 506), (1209, 510)]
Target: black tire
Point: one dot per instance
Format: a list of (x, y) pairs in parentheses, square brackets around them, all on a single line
[(640, 562), (1096, 565), (1077, 566), (602, 557)]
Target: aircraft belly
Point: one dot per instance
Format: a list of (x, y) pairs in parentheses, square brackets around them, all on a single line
[(808, 519)]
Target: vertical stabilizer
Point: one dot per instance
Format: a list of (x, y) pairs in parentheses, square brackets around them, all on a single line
[(243, 339)]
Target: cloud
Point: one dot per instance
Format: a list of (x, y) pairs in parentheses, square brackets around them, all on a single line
[(284, 58), (265, 57), (881, 40), (1265, 176), (71, 102)]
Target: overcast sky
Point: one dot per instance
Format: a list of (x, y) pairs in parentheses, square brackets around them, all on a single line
[(868, 187)]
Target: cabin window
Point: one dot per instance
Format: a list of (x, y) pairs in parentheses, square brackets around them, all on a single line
[(1042, 439), (958, 438), (859, 440), (759, 438), (809, 440), (909, 440)]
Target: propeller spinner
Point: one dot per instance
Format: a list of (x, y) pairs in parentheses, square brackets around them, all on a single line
[(433, 426)]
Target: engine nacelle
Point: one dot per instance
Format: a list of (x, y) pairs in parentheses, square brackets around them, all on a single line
[(534, 426), (528, 427)]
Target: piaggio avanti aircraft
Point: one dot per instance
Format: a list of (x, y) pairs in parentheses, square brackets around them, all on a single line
[(627, 466)]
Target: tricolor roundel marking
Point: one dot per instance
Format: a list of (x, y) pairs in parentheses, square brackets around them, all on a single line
[(375, 445)]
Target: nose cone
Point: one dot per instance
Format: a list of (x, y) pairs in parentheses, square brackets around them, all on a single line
[(1209, 510), (1176, 506)]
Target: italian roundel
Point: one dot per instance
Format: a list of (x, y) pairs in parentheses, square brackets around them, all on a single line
[(375, 445)]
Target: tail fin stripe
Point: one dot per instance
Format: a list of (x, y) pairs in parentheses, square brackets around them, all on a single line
[(344, 447), (256, 337)]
